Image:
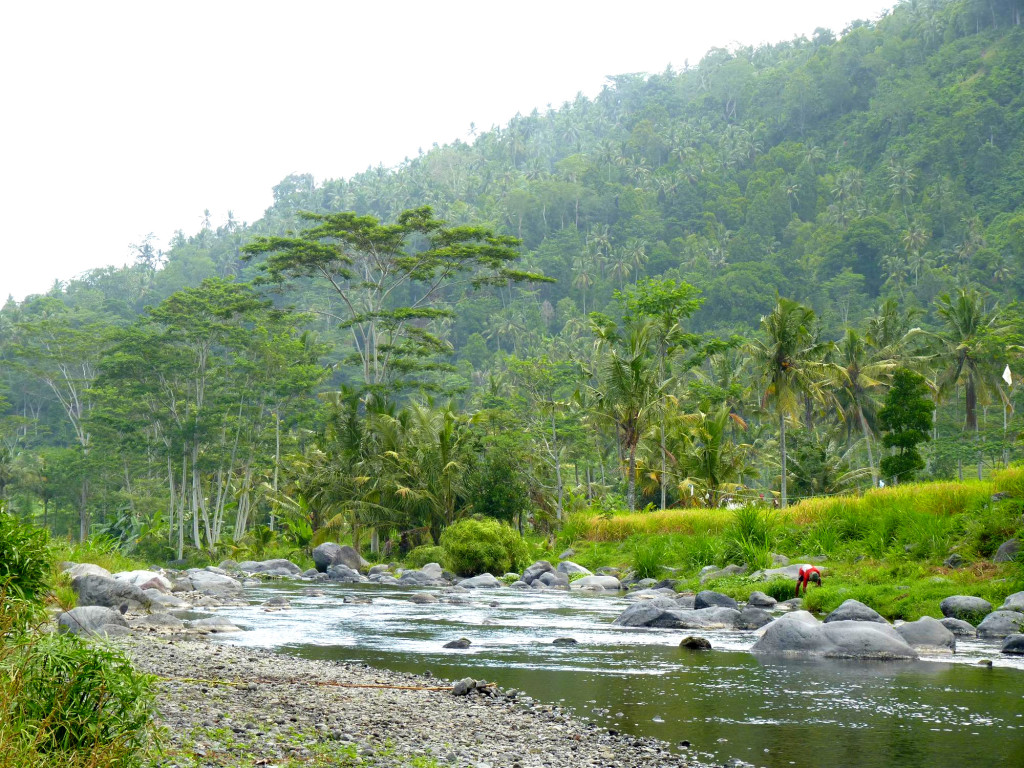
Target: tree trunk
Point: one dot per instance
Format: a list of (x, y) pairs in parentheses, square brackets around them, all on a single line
[(782, 446), (867, 441), (631, 480)]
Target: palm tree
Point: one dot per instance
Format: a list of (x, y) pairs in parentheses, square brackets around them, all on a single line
[(789, 363), (628, 388), (965, 348), (713, 463)]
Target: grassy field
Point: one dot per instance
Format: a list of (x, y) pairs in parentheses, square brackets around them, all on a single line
[(885, 548)]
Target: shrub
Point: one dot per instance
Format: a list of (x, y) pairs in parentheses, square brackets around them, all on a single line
[(420, 556), (74, 701), (780, 589), (483, 545)]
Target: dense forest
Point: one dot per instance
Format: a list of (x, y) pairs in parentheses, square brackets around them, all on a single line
[(696, 288)]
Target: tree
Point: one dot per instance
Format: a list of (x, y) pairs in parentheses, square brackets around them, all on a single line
[(906, 418), (789, 364), (393, 280)]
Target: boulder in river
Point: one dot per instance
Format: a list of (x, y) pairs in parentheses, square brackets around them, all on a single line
[(709, 598), (966, 607), (565, 641), (605, 582), (342, 573), (959, 627), (89, 620), (109, 593), (483, 581), (752, 617), (461, 644), (1014, 645), (854, 610), (276, 567), (710, 572), (162, 622), (695, 643), (928, 635), (327, 554), (1001, 624), (836, 640), (208, 583), (659, 612), (213, 625), (536, 570), (761, 600), (423, 598), (554, 579)]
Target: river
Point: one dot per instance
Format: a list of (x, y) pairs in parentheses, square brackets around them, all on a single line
[(717, 705)]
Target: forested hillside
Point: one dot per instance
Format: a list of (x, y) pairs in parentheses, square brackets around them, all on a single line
[(695, 288)]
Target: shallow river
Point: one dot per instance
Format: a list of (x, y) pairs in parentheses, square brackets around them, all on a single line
[(725, 703)]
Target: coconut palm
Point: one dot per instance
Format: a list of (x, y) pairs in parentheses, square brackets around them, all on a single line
[(789, 362)]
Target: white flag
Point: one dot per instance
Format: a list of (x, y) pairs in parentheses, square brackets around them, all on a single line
[(1007, 378)]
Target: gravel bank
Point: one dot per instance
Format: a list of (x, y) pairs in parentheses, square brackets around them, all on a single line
[(228, 706)]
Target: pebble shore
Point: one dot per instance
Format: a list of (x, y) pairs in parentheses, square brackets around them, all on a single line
[(222, 705)]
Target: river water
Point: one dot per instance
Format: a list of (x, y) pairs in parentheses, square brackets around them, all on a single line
[(725, 703)]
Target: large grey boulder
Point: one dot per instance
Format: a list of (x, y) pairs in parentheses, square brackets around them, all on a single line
[(959, 627), (761, 600), (483, 581), (277, 567), (1007, 551), (163, 601), (536, 570), (108, 592), (570, 568), (965, 607), (1001, 624), (783, 572), (329, 553), (929, 635), (89, 620), (651, 594), (854, 610), (709, 598), (1014, 644), (434, 570), (714, 617), (752, 617), (553, 579), (605, 582), (1014, 602), (208, 583), (86, 569), (837, 640), (162, 622), (145, 580), (342, 573), (659, 612), (214, 625)]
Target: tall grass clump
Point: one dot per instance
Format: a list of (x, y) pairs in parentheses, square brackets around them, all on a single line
[(103, 551), (63, 701), (649, 555), (751, 537)]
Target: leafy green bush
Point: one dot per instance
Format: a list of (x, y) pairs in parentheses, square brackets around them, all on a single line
[(74, 701), (751, 537), (420, 556), (483, 545)]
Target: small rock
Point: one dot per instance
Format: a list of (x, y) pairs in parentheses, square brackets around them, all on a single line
[(564, 641), (461, 643), (464, 686), (695, 643)]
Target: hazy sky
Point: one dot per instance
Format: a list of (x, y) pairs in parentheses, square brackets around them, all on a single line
[(124, 118)]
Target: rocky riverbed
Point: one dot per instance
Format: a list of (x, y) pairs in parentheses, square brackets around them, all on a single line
[(229, 706)]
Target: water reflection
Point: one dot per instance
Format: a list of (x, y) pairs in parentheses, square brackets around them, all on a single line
[(766, 712)]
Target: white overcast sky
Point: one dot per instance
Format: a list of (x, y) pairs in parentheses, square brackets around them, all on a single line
[(122, 118)]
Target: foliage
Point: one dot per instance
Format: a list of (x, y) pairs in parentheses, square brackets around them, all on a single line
[(649, 556), (481, 545), (906, 419), (24, 565)]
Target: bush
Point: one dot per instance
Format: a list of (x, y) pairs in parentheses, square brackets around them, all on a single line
[(420, 556), (649, 554), (73, 702), (780, 589), (483, 545)]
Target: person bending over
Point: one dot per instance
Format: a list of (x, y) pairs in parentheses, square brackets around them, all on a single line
[(805, 576)]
